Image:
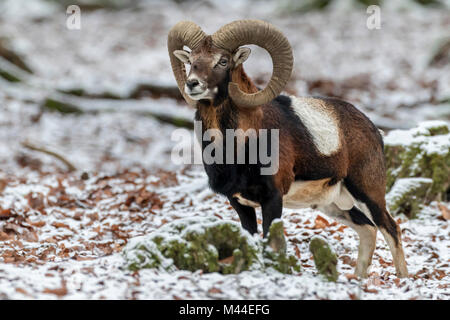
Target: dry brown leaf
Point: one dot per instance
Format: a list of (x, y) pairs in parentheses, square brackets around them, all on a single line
[(228, 260), (3, 185), (353, 296), (60, 292), (297, 252), (22, 291), (351, 276), (348, 260), (4, 236), (36, 201), (320, 223), (60, 225), (38, 224), (370, 290), (214, 290), (383, 262), (445, 211), (5, 213)]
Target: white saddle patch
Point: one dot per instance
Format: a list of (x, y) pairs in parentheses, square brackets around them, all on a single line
[(320, 122)]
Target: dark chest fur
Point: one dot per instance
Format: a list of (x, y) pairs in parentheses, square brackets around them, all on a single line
[(228, 179)]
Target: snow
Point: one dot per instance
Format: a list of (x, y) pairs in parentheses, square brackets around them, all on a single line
[(94, 267), (420, 136)]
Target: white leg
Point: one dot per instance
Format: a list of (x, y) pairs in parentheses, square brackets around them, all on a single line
[(397, 253), (367, 243), (367, 238)]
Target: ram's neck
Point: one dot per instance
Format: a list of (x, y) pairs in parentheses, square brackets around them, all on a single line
[(239, 77), (225, 114)]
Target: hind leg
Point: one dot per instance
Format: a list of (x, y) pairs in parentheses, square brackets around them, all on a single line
[(386, 224), (392, 234), (366, 231)]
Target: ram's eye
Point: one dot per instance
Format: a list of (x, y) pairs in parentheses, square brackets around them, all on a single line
[(223, 62)]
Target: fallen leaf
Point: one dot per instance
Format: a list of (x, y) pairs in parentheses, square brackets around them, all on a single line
[(4, 236), (369, 290), (297, 252), (348, 260), (214, 290), (22, 291), (320, 223), (60, 292), (445, 211), (5, 213), (60, 225), (351, 276), (228, 260), (353, 296)]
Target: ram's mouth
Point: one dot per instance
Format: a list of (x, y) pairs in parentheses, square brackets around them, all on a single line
[(195, 95)]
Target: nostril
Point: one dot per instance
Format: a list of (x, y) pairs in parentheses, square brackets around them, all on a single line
[(192, 83)]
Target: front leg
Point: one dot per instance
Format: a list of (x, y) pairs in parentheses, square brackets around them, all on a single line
[(246, 214), (271, 208)]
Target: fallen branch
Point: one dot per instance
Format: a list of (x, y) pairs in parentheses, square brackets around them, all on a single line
[(67, 106), (13, 57), (61, 106), (10, 72), (155, 91), (30, 146)]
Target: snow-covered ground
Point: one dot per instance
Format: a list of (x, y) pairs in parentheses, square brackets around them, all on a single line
[(61, 234)]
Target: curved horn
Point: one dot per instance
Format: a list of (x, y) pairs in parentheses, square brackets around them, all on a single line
[(184, 33), (265, 35)]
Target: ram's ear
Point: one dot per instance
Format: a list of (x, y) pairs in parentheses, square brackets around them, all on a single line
[(241, 55), (182, 55)]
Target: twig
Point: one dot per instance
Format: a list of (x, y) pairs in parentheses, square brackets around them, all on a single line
[(30, 146)]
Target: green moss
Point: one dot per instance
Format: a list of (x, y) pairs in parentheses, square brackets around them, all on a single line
[(275, 255), (420, 152), (439, 130), (408, 195), (324, 258), (8, 76), (60, 106), (208, 244)]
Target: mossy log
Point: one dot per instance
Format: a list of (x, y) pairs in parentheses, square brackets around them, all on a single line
[(66, 106), (422, 152), (208, 244), (152, 90), (324, 258), (274, 250), (408, 195), (10, 72), (441, 55), (10, 55)]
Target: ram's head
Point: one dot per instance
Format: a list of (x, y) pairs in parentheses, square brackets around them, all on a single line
[(213, 57)]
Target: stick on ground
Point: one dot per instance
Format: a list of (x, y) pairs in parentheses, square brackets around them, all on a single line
[(30, 146)]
